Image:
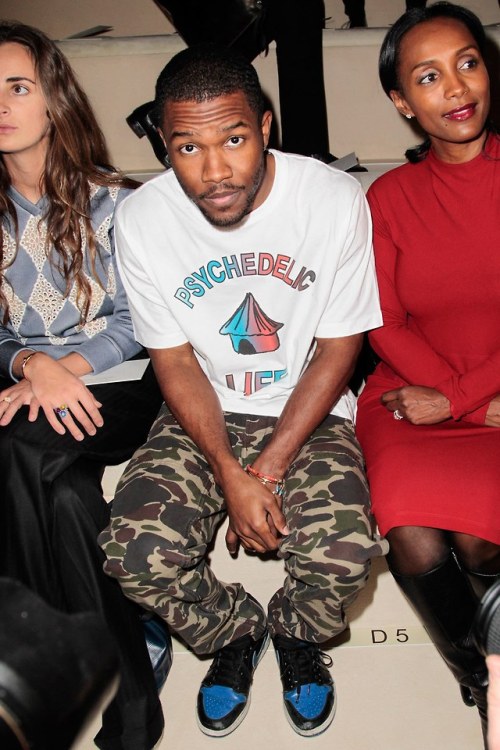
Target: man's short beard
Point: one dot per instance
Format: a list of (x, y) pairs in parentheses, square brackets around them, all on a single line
[(232, 221)]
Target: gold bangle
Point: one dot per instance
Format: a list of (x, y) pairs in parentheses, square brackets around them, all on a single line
[(25, 362)]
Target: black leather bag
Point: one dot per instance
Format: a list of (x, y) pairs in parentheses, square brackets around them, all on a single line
[(234, 23)]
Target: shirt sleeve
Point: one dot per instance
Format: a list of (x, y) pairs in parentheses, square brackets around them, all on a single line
[(409, 355), (10, 347), (353, 304), (154, 325), (474, 389), (114, 341)]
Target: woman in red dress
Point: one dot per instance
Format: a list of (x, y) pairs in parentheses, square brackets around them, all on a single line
[(428, 418)]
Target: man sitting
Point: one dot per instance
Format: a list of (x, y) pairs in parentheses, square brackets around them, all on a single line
[(250, 279)]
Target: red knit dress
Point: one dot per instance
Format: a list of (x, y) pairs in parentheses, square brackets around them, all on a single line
[(437, 250)]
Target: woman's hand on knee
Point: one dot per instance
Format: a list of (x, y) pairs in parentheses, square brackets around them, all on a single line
[(418, 404), (12, 398), (67, 403)]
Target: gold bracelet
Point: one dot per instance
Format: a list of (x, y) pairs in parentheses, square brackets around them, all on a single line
[(25, 362)]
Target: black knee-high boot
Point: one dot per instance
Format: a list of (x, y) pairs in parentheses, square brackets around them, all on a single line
[(481, 582), (446, 605)]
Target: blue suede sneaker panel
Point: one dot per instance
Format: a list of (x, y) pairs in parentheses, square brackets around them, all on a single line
[(219, 701), (224, 695), (309, 700)]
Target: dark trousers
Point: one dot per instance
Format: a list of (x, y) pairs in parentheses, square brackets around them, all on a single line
[(355, 11), (297, 28), (51, 511)]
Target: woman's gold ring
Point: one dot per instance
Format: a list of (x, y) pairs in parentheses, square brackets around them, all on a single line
[(7, 399)]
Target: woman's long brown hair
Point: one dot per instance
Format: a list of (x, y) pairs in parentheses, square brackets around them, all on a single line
[(77, 155)]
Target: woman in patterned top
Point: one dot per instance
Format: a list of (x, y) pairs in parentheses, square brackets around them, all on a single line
[(64, 314)]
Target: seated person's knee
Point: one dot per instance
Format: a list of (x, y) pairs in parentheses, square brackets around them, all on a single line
[(476, 555)]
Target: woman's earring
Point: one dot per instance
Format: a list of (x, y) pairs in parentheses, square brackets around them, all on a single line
[(408, 117)]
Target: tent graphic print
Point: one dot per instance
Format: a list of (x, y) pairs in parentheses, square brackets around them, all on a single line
[(251, 330)]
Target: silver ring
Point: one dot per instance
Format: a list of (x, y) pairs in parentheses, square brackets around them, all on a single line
[(7, 399), (397, 414)]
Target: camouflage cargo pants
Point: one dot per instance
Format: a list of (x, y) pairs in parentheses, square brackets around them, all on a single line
[(166, 511)]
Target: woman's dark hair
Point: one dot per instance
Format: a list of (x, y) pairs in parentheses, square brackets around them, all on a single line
[(388, 64), (204, 72), (77, 155), (389, 58)]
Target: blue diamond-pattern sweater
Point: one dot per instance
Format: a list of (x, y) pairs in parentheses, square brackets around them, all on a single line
[(41, 315)]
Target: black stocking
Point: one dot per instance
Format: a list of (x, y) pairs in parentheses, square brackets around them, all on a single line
[(415, 550)]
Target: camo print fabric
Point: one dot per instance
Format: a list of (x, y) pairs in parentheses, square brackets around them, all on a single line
[(167, 509)]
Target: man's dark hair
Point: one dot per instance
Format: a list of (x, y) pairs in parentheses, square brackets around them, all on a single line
[(204, 72)]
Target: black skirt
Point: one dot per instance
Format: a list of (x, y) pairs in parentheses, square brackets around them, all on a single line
[(51, 512)]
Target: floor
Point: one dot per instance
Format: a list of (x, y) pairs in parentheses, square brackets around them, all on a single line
[(394, 691), (389, 698), (385, 695)]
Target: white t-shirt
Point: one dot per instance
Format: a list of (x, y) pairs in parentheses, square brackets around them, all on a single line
[(251, 299)]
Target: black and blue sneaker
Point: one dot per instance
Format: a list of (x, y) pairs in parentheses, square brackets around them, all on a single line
[(309, 693), (224, 696)]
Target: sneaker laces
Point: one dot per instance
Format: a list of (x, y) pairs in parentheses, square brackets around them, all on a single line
[(304, 665), (232, 665)]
